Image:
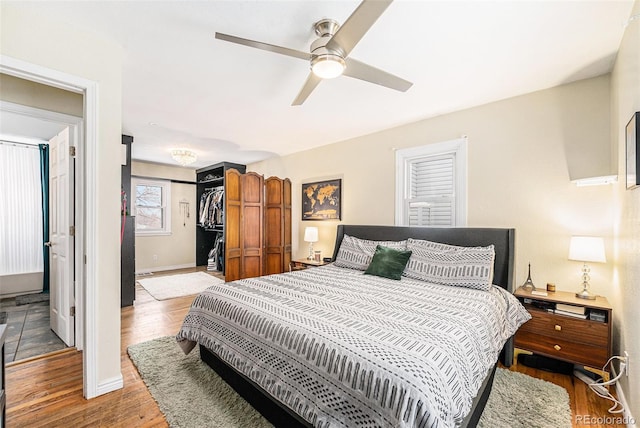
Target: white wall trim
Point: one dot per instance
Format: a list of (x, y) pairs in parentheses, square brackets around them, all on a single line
[(627, 416), (163, 268), (48, 115), (86, 216), (110, 385), (76, 134), (460, 147)]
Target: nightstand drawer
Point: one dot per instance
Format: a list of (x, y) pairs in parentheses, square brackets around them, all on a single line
[(594, 356), (560, 327)]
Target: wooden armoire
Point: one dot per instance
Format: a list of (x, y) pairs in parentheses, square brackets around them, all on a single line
[(258, 225)]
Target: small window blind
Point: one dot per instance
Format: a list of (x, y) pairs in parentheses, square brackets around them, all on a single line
[(431, 195)]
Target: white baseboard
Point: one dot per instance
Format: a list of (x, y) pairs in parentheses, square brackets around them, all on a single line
[(626, 416), (110, 385), (163, 268)]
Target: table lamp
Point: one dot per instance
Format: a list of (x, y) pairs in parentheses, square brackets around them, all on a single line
[(586, 249), (311, 236)]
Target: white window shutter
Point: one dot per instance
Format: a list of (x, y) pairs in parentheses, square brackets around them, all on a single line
[(431, 194)]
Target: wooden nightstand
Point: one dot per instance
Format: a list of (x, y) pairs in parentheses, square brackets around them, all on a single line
[(580, 341), (301, 264)]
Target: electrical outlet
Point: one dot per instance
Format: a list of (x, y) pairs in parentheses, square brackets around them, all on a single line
[(155, 257), (626, 360)]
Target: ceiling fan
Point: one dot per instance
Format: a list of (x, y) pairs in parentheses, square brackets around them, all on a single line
[(329, 53)]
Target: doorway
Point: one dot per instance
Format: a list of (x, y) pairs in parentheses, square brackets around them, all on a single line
[(44, 303), (86, 208)]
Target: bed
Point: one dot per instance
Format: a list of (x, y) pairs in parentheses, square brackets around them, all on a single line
[(332, 346)]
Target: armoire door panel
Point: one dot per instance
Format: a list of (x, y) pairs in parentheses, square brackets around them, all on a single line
[(273, 191), (252, 185), (273, 226), (232, 185), (233, 234), (251, 266), (274, 263), (252, 222), (232, 269), (286, 196), (251, 236), (232, 221)]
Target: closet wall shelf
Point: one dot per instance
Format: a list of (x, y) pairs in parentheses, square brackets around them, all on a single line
[(212, 180), (212, 229)]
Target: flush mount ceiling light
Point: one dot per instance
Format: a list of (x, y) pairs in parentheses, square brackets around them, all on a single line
[(327, 66), (183, 156)]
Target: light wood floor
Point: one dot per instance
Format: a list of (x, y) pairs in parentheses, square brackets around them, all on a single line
[(47, 391)]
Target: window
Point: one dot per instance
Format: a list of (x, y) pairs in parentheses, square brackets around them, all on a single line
[(152, 206), (431, 185)]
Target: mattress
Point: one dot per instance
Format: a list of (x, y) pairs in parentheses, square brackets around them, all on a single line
[(345, 349)]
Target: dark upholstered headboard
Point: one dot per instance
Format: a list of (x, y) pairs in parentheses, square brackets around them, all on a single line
[(502, 239)]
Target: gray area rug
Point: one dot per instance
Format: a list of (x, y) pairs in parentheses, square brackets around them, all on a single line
[(172, 286), (190, 394), (518, 400)]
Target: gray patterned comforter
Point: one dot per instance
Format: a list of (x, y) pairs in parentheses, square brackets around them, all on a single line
[(345, 349)]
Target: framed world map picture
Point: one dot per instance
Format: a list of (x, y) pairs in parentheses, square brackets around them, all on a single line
[(322, 200)]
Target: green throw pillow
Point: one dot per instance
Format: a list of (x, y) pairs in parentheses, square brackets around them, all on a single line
[(388, 263)]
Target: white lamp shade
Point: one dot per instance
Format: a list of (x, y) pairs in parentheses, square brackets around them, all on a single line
[(311, 234), (587, 249)]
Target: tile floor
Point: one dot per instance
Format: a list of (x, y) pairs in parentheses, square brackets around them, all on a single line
[(28, 330)]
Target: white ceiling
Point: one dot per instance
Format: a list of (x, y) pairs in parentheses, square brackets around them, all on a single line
[(17, 127), (226, 102)]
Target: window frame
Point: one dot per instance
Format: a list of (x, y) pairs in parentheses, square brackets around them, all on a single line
[(404, 157), (165, 185)]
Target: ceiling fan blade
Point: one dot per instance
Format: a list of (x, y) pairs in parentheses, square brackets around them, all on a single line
[(355, 27), (307, 88), (264, 46), (362, 71)]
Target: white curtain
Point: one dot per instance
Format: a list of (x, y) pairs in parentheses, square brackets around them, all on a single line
[(20, 209)]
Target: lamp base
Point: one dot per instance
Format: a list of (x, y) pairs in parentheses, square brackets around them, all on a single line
[(584, 294), (310, 257)]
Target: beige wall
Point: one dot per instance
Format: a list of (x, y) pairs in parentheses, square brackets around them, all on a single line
[(518, 177), (27, 35), (626, 285), (179, 248), (32, 94)]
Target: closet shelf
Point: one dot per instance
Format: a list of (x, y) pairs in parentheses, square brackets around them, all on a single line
[(212, 180), (212, 229)]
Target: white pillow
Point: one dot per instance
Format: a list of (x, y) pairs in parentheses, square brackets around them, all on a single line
[(470, 267), (356, 253)]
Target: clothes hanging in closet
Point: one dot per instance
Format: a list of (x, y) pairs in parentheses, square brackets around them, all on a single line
[(211, 207)]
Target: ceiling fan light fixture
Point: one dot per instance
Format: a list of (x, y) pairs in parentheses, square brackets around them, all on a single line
[(328, 66), (183, 156)]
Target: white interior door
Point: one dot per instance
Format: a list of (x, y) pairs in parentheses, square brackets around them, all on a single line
[(61, 254)]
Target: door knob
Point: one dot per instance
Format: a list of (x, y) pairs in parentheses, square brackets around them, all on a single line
[(48, 244)]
